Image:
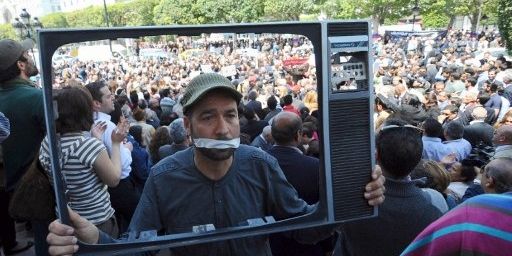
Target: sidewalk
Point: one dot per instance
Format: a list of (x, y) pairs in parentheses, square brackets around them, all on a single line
[(22, 236)]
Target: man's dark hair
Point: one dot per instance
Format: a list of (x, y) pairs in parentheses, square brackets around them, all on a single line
[(74, 106), (134, 97), (94, 89), (252, 95), (483, 98), (399, 148), (308, 128), (470, 71), (249, 113), (454, 130), (452, 108), (467, 170), (456, 76), (136, 132), (271, 103), (432, 128), (146, 95), (493, 87), (472, 81), (13, 71), (164, 93), (284, 134), (287, 100)]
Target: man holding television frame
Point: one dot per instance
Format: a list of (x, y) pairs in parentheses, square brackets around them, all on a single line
[(217, 181)]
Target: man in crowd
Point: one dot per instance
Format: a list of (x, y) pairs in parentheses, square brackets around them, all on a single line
[(453, 133), (478, 132), (216, 173), (22, 104), (303, 173), (433, 148), (264, 140), (502, 141), (407, 209), (125, 196)]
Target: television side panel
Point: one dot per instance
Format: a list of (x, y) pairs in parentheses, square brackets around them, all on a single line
[(348, 124)]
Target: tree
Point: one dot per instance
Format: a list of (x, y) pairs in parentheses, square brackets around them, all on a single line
[(140, 13), (286, 9), (505, 23), (55, 20), (207, 11), (176, 12), (7, 31), (92, 16), (471, 8)]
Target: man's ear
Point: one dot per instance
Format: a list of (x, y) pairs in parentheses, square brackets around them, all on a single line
[(186, 123), (21, 65), (96, 105), (490, 184)]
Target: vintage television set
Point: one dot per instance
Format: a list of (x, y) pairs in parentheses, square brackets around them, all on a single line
[(339, 51)]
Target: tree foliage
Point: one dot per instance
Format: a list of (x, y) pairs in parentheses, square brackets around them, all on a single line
[(505, 22), (55, 20), (286, 9), (7, 31), (435, 13)]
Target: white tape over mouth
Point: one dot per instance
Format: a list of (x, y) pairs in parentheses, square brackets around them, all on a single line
[(216, 144)]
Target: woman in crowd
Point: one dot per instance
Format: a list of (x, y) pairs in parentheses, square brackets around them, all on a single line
[(160, 138), (434, 176), (85, 163)]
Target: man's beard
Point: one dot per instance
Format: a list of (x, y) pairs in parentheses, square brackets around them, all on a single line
[(216, 154), (31, 70)]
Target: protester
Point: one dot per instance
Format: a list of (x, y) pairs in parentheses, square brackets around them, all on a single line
[(22, 103)]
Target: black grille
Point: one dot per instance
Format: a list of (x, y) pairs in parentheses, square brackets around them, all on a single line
[(348, 29), (349, 124)]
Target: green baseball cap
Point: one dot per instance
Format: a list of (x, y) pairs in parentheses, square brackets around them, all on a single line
[(11, 50), (204, 83)]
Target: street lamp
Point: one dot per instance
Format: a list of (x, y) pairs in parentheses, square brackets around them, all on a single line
[(24, 27), (415, 12)]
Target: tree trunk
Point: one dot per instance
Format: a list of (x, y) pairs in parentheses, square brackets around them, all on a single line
[(376, 23), (474, 21), (452, 20)]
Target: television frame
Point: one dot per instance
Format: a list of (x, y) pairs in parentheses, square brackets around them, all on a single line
[(321, 35)]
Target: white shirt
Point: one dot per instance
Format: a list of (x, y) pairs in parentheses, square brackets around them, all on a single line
[(126, 155)]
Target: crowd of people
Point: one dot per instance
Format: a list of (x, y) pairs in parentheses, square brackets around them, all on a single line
[(142, 138)]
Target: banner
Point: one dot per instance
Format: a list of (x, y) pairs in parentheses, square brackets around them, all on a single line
[(400, 34), (228, 71)]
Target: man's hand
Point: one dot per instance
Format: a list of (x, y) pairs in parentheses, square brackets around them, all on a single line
[(374, 191), (62, 238)]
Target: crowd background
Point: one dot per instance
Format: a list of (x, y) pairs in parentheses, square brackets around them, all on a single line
[(448, 86), (452, 85)]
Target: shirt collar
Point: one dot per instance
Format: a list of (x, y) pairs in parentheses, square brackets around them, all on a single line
[(102, 116), (16, 82)]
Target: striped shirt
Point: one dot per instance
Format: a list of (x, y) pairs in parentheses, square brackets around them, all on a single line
[(481, 225), (88, 195), (5, 127)]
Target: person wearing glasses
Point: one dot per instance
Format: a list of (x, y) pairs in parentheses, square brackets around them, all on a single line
[(482, 225)]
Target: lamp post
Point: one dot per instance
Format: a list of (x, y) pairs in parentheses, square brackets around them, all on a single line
[(24, 27), (415, 12)]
